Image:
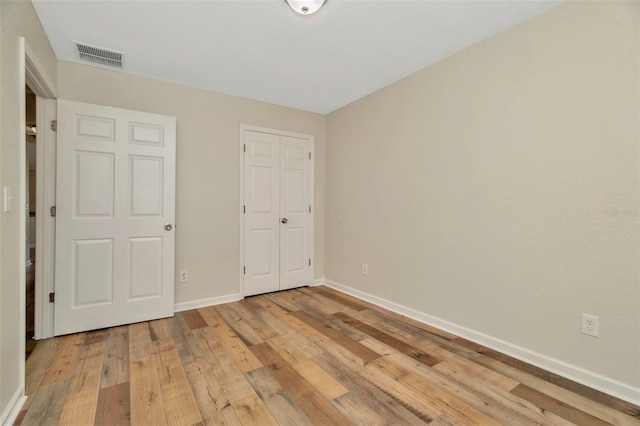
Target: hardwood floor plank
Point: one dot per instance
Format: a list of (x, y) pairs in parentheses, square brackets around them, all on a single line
[(551, 404), (252, 411), (492, 401), (65, 360), (293, 337), (82, 399), (208, 392), (183, 339), (594, 408), (193, 319), (46, 407), (302, 302), (409, 324), (159, 331), (444, 420), (438, 396), (365, 403), (319, 410), (239, 326), (285, 316), (223, 364), (146, 397), (179, 402), (547, 376), (497, 397), (356, 348), (253, 320), (469, 370), (97, 336), (356, 306), (113, 406), (38, 363), (235, 346), (413, 335), (140, 344), (420, 407), (316, 376), (278, 299), (277, 400), (116, 360), (399, 345)]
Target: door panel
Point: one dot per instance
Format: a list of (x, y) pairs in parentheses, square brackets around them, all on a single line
[(93, 277), (94, 183), (146, 267), (294, 205), (277, 185), (115, 192), (146, 189), (261, 178)]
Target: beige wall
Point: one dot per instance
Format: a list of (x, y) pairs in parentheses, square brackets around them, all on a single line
[(498, 189), (17, 19), (208, 166)]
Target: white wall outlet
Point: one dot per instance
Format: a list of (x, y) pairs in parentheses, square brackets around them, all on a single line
[(365, 269), (590, 325), (184, 276)]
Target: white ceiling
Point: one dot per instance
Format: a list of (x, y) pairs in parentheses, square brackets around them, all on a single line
[(263, 50)]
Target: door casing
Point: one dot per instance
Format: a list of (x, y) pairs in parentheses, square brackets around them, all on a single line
[(43, 87), (310, 138)]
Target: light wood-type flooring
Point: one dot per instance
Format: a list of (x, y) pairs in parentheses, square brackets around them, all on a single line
[(299, 357)]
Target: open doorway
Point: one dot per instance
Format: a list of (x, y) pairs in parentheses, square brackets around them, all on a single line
[(31, 191)]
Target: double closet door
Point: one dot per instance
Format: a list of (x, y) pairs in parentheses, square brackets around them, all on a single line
[(277, 211)]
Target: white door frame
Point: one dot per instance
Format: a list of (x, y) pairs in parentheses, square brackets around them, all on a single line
[(310, 138), (30, 72), (43, 88)]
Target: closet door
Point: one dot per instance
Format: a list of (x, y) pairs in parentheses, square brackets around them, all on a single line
[(276, 212), (295, 261), (261, 213)]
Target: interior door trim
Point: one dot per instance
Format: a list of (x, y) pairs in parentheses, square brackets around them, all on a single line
[(310, 138), (38, 80)]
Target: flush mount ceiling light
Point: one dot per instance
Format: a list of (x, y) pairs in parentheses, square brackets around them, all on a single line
[(305, 7)]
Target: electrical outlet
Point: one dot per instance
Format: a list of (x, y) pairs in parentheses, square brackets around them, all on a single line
[(365, 269), (590, 325), (184, 276)]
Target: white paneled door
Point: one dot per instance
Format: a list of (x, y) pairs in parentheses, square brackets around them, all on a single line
[(277, 212), (115, 240)]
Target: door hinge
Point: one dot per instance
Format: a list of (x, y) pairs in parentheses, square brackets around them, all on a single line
[(244, 270), (52, 211), (54, 125), (244, 209), (52, 297), (244, 148), (309, 155), (309, 262), (309, 209)]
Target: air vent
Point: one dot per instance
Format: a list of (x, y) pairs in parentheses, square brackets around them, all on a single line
[(98, 55)]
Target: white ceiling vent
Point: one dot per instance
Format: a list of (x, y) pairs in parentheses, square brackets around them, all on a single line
[(98, 55)]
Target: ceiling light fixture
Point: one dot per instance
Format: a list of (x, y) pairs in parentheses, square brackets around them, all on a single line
[(305, 7)]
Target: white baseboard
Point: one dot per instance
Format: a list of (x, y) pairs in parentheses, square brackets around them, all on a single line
[(588, 378), (203, 303), (317, 282), (12, 410)]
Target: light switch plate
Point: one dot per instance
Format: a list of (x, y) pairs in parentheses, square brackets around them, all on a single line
[(8, 199)]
